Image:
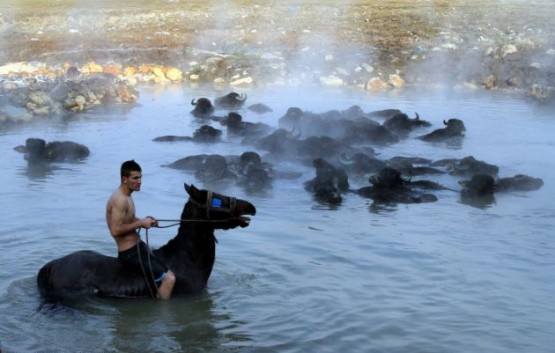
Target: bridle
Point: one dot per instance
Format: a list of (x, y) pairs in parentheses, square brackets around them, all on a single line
[(215, 202), (212, 204)]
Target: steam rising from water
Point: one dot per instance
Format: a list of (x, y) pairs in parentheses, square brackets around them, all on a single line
[(499, 44)]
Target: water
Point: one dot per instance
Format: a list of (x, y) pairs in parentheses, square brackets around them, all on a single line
[(438, 277)]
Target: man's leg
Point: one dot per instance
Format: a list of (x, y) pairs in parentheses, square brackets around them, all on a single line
[(166, 287)]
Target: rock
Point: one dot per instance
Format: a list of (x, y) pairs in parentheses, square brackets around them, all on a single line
[(396, 81), (112, 69), (39, 98), (490, 82), (376, 84), (91, 67), (16, 68), (331, 81), (159, 76), (129, 71), (244, 81), (508, 49), (174, 74)]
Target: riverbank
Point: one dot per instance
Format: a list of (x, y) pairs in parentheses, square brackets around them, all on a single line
[(373, 45)]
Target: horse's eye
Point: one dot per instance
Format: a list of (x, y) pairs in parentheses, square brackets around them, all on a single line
[(216, 203)]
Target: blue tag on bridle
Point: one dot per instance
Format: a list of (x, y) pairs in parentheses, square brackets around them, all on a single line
[(217, 203)]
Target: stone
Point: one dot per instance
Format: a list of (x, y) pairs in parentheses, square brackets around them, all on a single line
[(244, 81), (396, 81), (174, 74), (331, 81), (508, 49), (376, 84)]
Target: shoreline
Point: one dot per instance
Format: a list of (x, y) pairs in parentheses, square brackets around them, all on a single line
[(506, 46)]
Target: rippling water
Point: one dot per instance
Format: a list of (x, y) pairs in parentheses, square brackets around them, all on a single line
[(438, 277)]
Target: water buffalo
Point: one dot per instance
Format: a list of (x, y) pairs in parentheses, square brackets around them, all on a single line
[(366, 131), (329, 182), (259, 108), (343, 126), (361, 163), (189, 163), (279, 143), (484, 184), (208, 168), (384, 113), (467, 166), (215, 169), (478, 191), (253, 173), (205, 133), (412, 166), (172, 138), (237, 127), (478, 185), (203, 108), (454, 128), (292, 118), (388, 186), (38, 150), (247, 169), (230, 101), (402, 125), (519, 182)]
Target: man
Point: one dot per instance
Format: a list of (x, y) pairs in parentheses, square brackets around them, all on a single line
[(124, 225)]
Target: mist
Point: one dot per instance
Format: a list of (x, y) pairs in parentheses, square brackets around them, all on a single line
[(373, 46)]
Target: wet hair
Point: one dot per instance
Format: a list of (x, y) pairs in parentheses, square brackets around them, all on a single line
[(129, 166)]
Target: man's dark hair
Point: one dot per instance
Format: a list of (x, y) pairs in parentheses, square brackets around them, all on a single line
[(129, 166)]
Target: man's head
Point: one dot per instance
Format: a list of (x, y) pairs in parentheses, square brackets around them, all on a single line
[(131, 175)]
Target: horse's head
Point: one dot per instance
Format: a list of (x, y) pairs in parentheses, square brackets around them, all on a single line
[(222, 212)]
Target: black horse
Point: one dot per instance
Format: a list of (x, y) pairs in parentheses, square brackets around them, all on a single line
[(190, 255)]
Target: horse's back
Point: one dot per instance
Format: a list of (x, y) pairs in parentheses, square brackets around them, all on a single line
[(88, 273)]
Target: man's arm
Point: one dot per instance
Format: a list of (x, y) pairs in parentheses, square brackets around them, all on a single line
[(117, 219)]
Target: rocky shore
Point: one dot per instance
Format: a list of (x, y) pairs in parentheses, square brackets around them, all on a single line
[(373, 45)]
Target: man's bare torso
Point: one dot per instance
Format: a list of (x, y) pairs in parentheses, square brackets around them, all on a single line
[(120, 210)]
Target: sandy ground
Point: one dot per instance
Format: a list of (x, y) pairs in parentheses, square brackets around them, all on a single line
[(494, 45)]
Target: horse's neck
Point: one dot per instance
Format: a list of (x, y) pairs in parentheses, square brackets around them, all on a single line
[(192, 239)]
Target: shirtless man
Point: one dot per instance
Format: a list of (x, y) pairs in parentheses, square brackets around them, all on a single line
[(123, 225)]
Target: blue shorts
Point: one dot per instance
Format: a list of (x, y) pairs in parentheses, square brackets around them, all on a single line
[(145, 262)]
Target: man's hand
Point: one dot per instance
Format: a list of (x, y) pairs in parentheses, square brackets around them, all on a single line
[(149, 222)]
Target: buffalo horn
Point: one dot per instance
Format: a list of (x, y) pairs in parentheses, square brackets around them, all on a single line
[(295, 132), (346, 160)]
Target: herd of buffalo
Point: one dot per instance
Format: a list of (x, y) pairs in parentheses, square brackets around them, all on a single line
[(339, 145)]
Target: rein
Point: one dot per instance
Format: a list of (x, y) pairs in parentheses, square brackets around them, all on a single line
[(179, 221)]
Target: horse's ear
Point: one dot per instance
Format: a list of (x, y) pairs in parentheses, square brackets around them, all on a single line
[(191, 189)]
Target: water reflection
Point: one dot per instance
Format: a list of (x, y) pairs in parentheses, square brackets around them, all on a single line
[(380, 208), (38, 171), (184, 324), (193, 323), (482, 202), (41, 171)]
